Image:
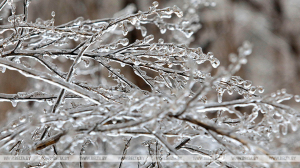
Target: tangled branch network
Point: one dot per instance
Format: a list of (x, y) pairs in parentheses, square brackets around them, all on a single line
[(95, 108)]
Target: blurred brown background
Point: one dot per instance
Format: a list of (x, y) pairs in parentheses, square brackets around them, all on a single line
[(272, 26)]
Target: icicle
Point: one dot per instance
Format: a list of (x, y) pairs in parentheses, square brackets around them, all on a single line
[(124, 28), (14, 103), (284, 128), (220, 95), (143, 31), (2, 69)]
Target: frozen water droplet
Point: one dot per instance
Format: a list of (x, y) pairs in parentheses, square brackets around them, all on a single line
[(210, 55), (155, 4), (14, 125), (124, 28), (188, 33), (22, 119), (53, 14), (260, 89), (247, 83), (247, 47), (43, 119), (252, 90), (160, 41), (243, 61), (230, 91), (49, 101), (215, 62), (163, 29), (14, 103), (177, 11), (122, 64), (297, 98), (232, 57), (133, 20), (124, 41), (273, 94)]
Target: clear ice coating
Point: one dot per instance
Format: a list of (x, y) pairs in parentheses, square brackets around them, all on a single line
[(155, 96)]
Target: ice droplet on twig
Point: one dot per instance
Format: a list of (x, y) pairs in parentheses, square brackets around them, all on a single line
[(260, 89), (53, 14), (297, 98), (214, 62)]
